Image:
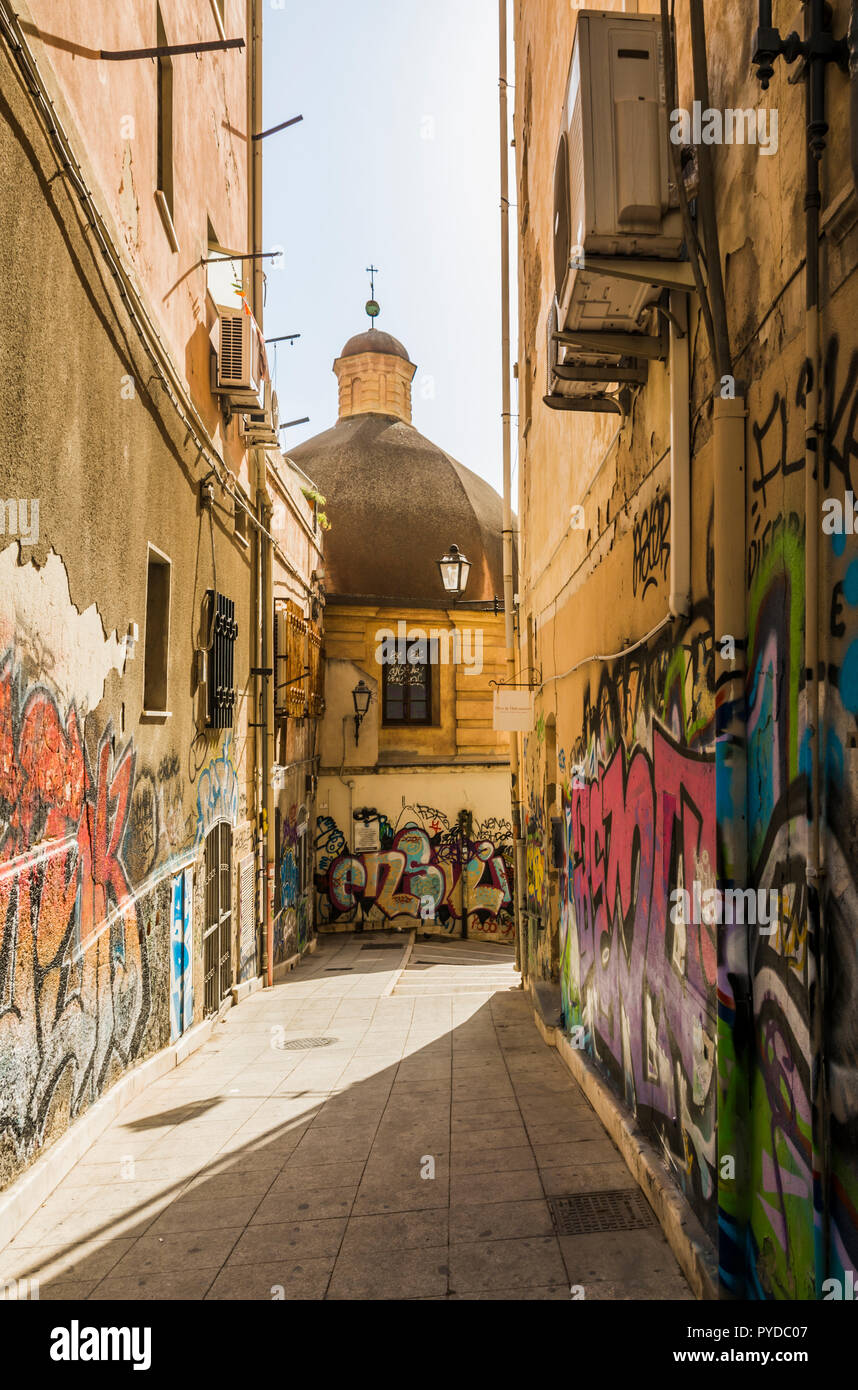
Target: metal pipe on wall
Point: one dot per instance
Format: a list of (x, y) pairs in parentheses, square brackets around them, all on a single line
[(815, 23), (508, 546), (735, 1023), (259, 742), (267, 714), (265, 682), (708, 219), (255, 155), (680, 458)]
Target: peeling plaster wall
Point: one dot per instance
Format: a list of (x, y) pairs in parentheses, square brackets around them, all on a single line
[(103, 810), (623, 750)]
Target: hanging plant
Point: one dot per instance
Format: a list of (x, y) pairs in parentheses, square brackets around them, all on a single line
[(318, 502)]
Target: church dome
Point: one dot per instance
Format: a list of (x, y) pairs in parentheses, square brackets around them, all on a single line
[(373, 340), (396, 502)]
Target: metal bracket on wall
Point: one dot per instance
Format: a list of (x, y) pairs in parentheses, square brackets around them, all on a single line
[(622, 344), (666, 275), (521, 685), (169, 50), (593, 405), (637, 374)]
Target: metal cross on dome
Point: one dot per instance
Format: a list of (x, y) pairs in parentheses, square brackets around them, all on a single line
[(373, 309)]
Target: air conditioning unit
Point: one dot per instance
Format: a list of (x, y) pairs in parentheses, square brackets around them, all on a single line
[(261, 426), (239, 366), (613, 192)]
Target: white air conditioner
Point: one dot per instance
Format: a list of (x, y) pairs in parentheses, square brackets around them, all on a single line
[(261, 426), (613, 190), (239, 366)]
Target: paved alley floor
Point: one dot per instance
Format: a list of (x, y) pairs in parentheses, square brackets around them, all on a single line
[(353, 1135)]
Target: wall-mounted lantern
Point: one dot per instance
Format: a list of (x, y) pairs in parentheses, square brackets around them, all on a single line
[(455, 569), (361, 697)]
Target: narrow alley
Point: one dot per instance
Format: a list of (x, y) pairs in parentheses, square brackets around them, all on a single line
[(361, 1131), (429, 674)]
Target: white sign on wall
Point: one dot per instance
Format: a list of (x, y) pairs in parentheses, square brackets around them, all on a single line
[(367, 835), (513, 711)]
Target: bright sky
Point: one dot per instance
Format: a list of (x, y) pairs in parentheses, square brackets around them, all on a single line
[(395, 164)]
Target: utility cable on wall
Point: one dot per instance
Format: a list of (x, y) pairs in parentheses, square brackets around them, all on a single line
[(609, 656)]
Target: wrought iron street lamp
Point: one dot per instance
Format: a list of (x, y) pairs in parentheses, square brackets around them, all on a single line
[(361, 697), (455, 568)]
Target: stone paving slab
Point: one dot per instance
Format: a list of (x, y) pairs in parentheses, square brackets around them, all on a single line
[(409, 1151)]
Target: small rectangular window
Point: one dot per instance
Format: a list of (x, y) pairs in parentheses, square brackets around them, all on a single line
[(407, 692), (157, 637)]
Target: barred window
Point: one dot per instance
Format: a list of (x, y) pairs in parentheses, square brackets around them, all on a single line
[(406, 692)]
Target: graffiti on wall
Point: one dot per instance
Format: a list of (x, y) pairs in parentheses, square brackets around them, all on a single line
[(292, 921), (217, 791), (783, 1243), (643, 987), (424, 861), (181, 954), (159, 828), (637, 812), (75, 995), (651, 545)]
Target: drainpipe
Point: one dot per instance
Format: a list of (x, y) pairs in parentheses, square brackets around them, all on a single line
[(735, 1012), (266, 712), (508, 547), (815, 24), (264, 742), (853, 90), (258, 727), (255, 172), (680, 459), (708, 219)]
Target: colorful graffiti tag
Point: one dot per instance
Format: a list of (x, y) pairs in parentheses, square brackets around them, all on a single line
[(181, 954), (292, 920), (642, 987), (780, 1249), (217, 791), (470, 875), (75, 996)]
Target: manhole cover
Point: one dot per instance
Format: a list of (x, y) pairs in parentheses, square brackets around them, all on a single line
[(382, 946), (298, 1044), (583, 1213)]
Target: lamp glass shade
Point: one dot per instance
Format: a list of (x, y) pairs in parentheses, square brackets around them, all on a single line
[(361, 695), (454, 569)]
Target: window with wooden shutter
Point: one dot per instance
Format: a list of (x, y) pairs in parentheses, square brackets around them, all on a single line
[(316, 690), (291, 661)]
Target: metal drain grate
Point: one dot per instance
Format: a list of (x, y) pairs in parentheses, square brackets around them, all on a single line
[(338, 969), (298, 1044), (583, 1213), (382, 946)]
